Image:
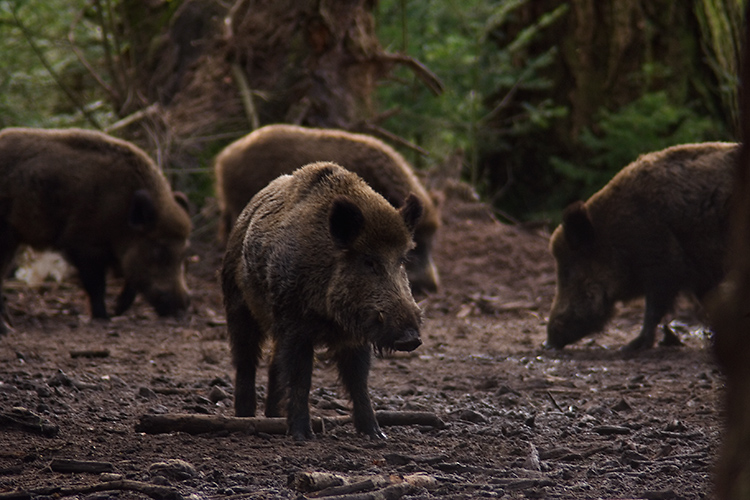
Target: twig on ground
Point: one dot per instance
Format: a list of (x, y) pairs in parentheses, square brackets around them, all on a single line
[(68, 465)]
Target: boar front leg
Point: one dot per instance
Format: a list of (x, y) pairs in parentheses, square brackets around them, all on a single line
[(92, 271), (354, 369), (294, 359), (246, 338), (657, 306)]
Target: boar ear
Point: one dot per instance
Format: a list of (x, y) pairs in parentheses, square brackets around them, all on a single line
[(182, 200), (345, 221), (142, 215), (577, 224), (411, 211)]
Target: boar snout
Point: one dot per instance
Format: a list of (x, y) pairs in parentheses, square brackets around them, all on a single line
[(567, 328), (423, 274), (169, 303), (409, 341)]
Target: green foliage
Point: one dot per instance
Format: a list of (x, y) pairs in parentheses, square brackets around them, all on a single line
[(38, 65), (721, 26), (457, 39), (506, 100), (650, 123)]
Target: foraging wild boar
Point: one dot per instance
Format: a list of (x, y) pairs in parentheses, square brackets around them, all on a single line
[(246, 166), (317, 258), (102, 203), (658, 228)]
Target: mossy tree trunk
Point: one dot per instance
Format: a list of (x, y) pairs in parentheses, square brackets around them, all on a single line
[(613, 51), (610, 54)]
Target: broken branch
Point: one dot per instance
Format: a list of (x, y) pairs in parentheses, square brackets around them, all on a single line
[(27, 420), (429, 78), (67, 465), (152, 490)]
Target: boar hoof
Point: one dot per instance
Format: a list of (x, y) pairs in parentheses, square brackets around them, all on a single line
[(637, 344), (301, 431), (377, 434), (408, 342)]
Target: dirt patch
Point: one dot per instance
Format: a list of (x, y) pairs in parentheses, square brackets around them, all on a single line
[(522, 422)]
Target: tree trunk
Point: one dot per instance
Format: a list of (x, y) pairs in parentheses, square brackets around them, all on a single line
[(730, 313), (312, 62)]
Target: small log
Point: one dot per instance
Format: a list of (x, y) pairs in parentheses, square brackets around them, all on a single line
[(315, 481), (346, 489), (199, 424), (393, 492), (152, 490), (16, 495), (29, 421), (67, 466)]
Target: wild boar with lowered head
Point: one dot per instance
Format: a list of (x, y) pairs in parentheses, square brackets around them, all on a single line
[(246, 166), (102, 203), (317, 259), (658, 228)]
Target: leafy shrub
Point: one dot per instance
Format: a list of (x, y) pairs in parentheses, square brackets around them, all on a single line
[(650, 123)]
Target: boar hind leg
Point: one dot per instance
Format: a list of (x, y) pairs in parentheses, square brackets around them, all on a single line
[(8, 247), (246, 338), (657, 306), (125, 299), (275, 387), (354, 368)]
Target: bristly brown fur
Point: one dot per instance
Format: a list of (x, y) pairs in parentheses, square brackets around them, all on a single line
[(313, 263), (249, 164), (657, 229), (101, 202)]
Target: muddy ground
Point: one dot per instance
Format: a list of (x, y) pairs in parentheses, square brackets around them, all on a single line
[(520, 421)]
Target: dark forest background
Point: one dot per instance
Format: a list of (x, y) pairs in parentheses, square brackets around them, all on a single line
[(538, 102)]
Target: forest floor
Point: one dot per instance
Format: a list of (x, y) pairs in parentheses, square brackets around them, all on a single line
[(520, 422)]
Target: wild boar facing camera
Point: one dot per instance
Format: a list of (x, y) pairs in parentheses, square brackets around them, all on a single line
[(246, 166), (102, 203), (317, 259), (657, 229)]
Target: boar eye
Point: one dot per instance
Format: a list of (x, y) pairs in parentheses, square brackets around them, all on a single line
[(371, 262)]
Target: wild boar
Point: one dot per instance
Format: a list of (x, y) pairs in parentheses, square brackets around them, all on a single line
[(657, 229), (246, 166), (317, 259), (102, 203)]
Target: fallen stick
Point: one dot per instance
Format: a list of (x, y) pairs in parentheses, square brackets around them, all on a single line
[(66, 465), (27, 420), (200, 424), (326, 485), (152, 490), (345, 489)]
